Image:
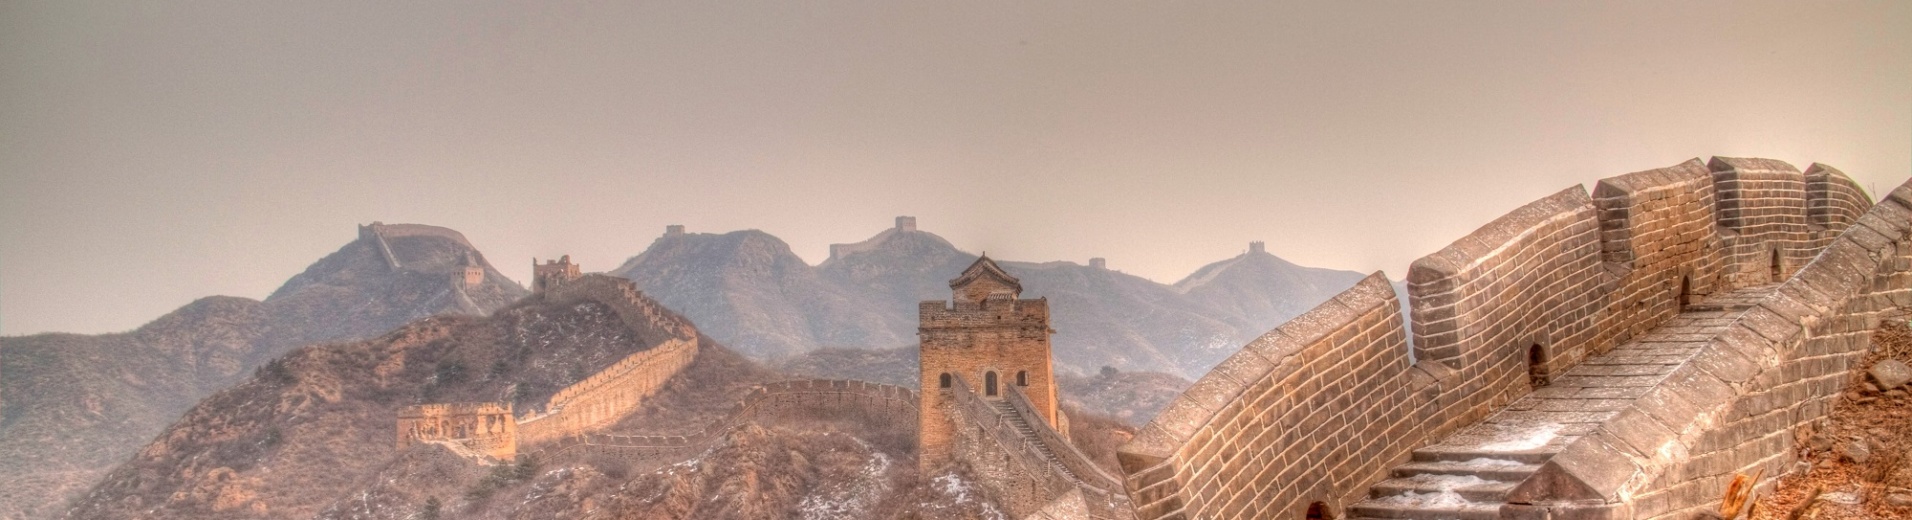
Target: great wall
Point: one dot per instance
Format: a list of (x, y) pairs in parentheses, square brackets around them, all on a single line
[(597, 401), (1615, 353)]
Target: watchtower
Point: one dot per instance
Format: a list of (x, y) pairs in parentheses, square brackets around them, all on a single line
[(470, 274), (553, 273), (985, 337)]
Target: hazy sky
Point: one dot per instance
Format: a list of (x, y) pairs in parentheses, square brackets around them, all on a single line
[(155, 152)]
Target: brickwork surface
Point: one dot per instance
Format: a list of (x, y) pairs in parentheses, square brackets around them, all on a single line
[(1322, 409), (886, 407)]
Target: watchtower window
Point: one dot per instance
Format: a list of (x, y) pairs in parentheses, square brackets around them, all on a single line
[(989, 384), (1536, 366), (1778, 275), (1317, 511), (943, 380), (1022, 378)]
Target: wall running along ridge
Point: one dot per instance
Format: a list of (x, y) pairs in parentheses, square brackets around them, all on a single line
[(596, 402), (1321, 407), (890, 407)]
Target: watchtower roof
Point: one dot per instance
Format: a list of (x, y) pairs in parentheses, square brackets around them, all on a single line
[(984, 268)]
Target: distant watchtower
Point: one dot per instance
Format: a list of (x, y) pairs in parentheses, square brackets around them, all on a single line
[(553, 273), (987, 339), (471, 274)]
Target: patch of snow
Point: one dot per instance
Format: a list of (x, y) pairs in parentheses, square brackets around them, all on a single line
[(1443, 495), (1492, 463), (1524, 439)]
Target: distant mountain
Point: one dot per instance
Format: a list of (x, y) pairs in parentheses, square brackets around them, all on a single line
[(76, 404), (747, 290), (1264, 288)]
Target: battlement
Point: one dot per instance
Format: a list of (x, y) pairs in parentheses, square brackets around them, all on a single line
[(553, 273), (486, 428), (993, 312), (1502, 312)]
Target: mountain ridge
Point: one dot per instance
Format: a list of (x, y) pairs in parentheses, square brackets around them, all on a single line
[(76, 404), (758, 297)]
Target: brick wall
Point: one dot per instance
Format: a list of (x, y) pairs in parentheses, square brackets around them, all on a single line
[(888, 407), (487, 428), (1311, 411), (1019, 477), (1316, 410), (608, 395), (1740, 403)]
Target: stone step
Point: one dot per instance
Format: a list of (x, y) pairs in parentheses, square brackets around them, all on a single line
[(1467, 486), (1512, 472), (1465, 511), (1464, 453)]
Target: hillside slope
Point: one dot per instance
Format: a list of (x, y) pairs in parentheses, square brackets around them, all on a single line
[(77, 404)]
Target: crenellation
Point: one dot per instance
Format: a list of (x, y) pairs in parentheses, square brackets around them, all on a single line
[(1503, 319), (553, 273)]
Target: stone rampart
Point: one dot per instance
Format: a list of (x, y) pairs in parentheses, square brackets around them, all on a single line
[(1833, 202), (486, 428), (1739, 404), (1018, 475), (890, 407), (1310, 412), (584, 406), (1318, 409), (608, 395)]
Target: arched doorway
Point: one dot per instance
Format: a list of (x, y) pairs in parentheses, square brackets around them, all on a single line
[(1536, 366), (989, 384), (1318, 511)]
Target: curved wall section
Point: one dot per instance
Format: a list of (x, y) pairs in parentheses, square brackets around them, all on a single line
[(1318, 409)]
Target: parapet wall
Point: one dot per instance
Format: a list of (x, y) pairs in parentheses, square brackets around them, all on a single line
[(618, 390), (1318, 409), (486, 428), (1309, 412), (1019, 477), (584, 406), (1740, 403), (889, 407), (608, 395)]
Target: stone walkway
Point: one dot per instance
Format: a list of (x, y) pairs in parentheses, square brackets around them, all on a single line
[(1468, 475)]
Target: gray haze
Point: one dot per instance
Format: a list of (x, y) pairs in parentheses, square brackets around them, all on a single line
[(155, 152)]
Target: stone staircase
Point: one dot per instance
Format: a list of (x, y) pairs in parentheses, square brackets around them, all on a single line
[(1008, 412), (1468, 475)]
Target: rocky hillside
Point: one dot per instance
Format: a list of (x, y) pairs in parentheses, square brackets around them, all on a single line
[(748, 290), (75, 405), (311, 435), (307, 427)]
